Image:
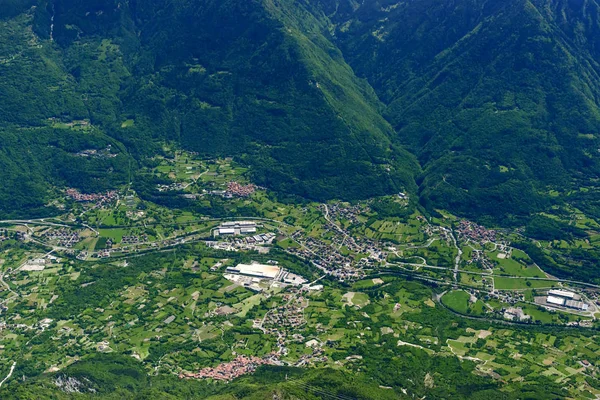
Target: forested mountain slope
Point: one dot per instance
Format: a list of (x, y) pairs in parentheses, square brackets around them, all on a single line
[(220, 77), (499, 100)]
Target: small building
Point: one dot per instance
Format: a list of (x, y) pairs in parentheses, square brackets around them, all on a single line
[(516, 312)]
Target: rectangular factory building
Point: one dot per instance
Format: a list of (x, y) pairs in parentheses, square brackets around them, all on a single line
[(561, 293), (578, 305), (555, 300), (258, 270), (236, 228), (226, 231)]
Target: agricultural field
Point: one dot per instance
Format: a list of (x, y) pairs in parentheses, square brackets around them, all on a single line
[(515, 265), (464, 303), (501, 283)]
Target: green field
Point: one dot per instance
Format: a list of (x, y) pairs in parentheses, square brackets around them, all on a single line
[(510, 266), (503, 283), (457, 300), (115, 234)]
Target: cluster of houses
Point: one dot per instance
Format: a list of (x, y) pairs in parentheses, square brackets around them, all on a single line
[(431, 230), (136, 243), (479, 257), (339, 211), (134, 239), (64, 237), (102, 254), (509, 297), (234, 189), (99, 198), (239, 366), (317, 355), (324, 256), (135, 215), (240, 190), (176, 186), (471, 231), (93, 153), (327, 256), (288, 315), (5, 234)]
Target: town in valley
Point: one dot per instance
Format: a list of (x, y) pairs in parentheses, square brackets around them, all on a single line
[(271, 283)]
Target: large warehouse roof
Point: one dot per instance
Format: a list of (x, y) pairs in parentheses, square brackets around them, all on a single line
[(561, 293), (260, 270), (555, 300)]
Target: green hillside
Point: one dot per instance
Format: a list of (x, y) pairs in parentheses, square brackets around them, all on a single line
[(299, 199), (498, 100), (231, 78)]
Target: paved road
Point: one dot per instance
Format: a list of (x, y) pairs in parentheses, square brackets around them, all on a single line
[(457, 259), (487, 274), (12, 369), (14, 294), (332, 223)]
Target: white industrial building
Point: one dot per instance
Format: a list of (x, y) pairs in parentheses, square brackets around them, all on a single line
[(255, 269), (565, 298), (236, 228), (226, 231), (555, 300), (562, 293)]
